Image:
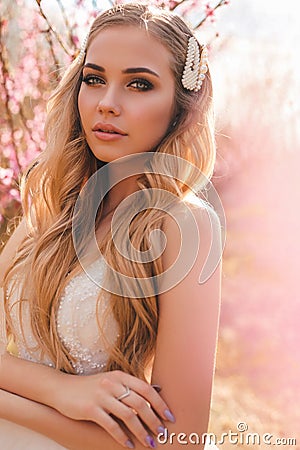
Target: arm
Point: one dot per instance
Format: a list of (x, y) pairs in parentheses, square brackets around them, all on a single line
[(187, 333), (88, 398), (72, 434)]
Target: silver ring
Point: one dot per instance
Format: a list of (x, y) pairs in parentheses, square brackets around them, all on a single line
[(126, 393)]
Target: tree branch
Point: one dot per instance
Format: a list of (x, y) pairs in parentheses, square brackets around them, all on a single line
[(67, 23), (220, 3), (51, 29)]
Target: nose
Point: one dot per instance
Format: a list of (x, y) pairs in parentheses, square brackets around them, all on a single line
[(107, 104)]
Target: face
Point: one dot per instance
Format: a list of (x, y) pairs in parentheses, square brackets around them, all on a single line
[(126, 99)]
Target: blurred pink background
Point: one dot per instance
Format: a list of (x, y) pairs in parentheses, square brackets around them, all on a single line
[(257, 78)]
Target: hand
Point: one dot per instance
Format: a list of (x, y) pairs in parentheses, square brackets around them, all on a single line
[(95, 398)]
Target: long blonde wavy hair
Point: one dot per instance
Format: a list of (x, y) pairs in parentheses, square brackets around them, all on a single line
[(52, 184)]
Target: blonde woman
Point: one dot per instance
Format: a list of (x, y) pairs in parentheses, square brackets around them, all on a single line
[(129, 129)]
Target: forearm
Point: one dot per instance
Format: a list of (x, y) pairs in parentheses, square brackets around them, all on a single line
[(34, 416), (33, 381), (72, 434), (37, 389)]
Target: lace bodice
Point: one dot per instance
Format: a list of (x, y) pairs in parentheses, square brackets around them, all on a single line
[(76, 322)]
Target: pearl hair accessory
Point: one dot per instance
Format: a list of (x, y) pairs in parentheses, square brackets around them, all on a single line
[(81, 54), (195, 66)]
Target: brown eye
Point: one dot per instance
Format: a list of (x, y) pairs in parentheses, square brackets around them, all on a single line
[(141, 85), (92, 80)]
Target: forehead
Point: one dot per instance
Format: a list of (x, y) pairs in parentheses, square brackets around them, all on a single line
[(128, 46)]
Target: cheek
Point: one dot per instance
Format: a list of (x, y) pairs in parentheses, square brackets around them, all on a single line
[(156, 116), (80, 106), (84, 105)]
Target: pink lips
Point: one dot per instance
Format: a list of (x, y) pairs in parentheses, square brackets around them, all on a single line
[(107, 132), (107, 127)]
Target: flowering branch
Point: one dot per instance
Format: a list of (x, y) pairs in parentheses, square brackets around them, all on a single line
[(51, 29), (210, 11), (67, 24)]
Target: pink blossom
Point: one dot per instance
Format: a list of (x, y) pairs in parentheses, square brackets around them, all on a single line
[(15, 194), (75, 40), (4, 23), (6, 137), (18, 134), (9, 84), (6, 176)]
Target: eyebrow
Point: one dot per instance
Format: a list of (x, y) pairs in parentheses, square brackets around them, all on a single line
[(126, 71)]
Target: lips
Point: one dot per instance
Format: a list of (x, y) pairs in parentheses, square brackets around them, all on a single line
[(108, 128)]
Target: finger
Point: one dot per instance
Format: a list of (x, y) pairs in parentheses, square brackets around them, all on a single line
[(145, 412), (132, 421), (112, 428), (149, 393)]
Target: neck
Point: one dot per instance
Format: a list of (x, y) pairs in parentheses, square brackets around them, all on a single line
[(123, 175), (118, 193)]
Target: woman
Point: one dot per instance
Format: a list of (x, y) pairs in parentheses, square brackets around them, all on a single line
[(129, 129)]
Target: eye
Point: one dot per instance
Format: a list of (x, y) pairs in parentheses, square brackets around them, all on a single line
[(140, 84), (92, 80)]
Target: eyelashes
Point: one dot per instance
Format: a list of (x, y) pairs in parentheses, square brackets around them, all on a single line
[(137, 84), (92, 80), (141, 84)]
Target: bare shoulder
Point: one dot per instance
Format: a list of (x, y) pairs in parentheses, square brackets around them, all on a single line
[(193, 209), (11, 247), (190, 224)]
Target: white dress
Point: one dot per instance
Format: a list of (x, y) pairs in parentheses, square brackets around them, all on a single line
[(78, 329)]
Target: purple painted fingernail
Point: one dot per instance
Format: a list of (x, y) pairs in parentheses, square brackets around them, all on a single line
[(129, 444), (156, 387), (169, 415), (161, 430), (150, 441)]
